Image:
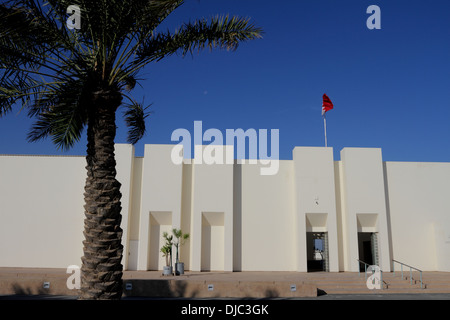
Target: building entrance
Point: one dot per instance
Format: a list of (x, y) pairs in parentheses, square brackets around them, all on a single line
[(368, 248), (317, 251)]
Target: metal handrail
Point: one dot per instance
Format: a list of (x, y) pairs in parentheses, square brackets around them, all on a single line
[(365, 271), (410, 271)]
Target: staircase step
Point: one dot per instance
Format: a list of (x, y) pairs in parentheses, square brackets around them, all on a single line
[(355, 283)]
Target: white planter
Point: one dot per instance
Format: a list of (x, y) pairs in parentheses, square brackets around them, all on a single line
[(167, 271)]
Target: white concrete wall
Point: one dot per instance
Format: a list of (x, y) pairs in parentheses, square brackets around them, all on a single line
[(186, 215), (41, 211), (134, 214), (419, 210), (212, 213), (238, 219), (124, 154), (364, 193), (315, 201), (340, 216), (267, 234), (160, 207)]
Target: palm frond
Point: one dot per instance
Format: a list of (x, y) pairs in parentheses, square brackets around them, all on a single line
[(61, 114), (222, 32), (53, 71), (135, 116)]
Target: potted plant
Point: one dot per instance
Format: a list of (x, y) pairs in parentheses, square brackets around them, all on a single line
[(180, 239), (166, 249)]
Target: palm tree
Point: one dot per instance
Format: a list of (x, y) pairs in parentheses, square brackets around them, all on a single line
[(71, 79)]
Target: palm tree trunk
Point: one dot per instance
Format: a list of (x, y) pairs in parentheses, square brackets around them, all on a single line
[(101, 271)]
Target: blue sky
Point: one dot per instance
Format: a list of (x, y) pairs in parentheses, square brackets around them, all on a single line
[(390, 87)]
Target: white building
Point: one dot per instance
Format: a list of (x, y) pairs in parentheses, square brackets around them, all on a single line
[(315, 213)]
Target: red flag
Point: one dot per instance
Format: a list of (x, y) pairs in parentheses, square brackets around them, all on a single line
[(326, 105)]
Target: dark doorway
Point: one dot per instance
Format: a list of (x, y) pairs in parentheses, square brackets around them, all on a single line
[(317, 251), (368, 248)]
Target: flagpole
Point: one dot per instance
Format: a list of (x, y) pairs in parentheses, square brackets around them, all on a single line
[(326, 106)]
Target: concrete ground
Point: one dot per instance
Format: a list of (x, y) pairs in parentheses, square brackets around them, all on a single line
[(251, 295), (27, 284), (393, 296)]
